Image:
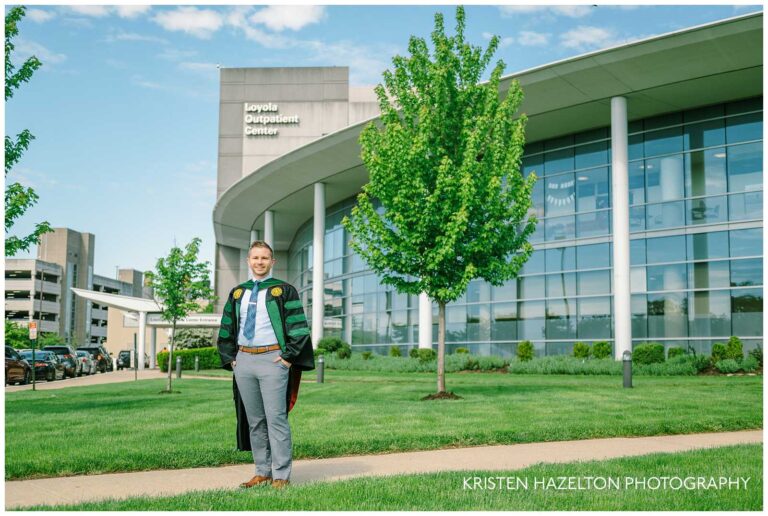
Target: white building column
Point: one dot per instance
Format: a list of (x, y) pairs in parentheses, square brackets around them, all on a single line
[(152, 347), (318, 273), (254, 237), (269, 228), (142, 333), (622, 308), (425, 321)]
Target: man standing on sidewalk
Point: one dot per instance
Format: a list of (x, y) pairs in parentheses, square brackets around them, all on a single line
[(265, 340)]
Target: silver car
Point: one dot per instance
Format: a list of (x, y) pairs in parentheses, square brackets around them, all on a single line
[(87, 363)]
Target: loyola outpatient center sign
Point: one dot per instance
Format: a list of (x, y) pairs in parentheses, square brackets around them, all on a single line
[(260, 119)]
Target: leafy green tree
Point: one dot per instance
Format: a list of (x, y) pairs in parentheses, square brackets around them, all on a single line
[(16, 336), (444, 164), (18, 198), (188, 338), (178, 281)]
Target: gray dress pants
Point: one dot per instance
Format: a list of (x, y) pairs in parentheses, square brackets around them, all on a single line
[(262, 384)]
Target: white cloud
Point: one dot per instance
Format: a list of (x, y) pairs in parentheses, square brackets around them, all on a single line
[(365, 65), (238, 16), (571, 11), (40, 15), (200, 23), (138, 80), (589, 38), (132, 36), (532, 39), (503, 42), (95, 11), (25, 49), (174, 54), (293, 17), (131, 11)]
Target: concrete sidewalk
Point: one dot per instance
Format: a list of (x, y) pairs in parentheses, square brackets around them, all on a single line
[(125, 375), (66, 490)]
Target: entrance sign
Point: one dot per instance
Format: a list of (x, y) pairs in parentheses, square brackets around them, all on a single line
[(260, 119)]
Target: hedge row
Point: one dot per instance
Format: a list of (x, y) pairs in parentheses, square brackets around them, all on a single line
[(453, 363), (209, 358), (686, 365)]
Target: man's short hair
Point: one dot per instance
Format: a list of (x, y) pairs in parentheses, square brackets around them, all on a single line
[(262, 243)]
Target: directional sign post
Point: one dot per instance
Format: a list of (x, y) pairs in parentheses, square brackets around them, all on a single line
[(33, 338)]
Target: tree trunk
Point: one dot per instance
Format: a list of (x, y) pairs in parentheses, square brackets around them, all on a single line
[(441, 347), (170, 358)]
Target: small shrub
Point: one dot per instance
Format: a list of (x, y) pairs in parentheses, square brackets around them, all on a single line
[(728, 365), (581, 350), (345, 351), (601, 349), (426, 354), (649, 353), (414, 353), (525, 351), (394, 351), (701, 362), (472, 364), (328, 345), (675, 351), (757, 354), (718, 352), (367, 355), (749, 364), (734, 349), (461, 351)]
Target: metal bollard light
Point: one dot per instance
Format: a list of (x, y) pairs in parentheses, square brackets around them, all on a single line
[(627, 358), (178, 367), (320, 369), (197, 363)]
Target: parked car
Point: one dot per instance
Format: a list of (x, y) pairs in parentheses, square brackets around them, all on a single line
[(89, 365), (48, 365), (72, 366), (125, 360), (100, 355), (17, 370)]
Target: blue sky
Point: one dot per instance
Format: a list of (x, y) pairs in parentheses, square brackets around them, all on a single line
[(125, 107)]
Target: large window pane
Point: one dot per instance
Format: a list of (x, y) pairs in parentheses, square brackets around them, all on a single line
[(703, 246), (639, 316), (747, 311), (593, 256), (636, 182), (744, 128), (663, 141), (705, 172), (560, 195), (530, 287), (705, 134), (637, 251), (561, 285), (746, 273), (593, 224), (666, 249), (592, 189), (456, 324), (504, 321), (667, 277), (635, 145), (594, 318), (636, 218), (537, 198), (531, 324), (561, 319), (665, 215), (533, 164), (535, 263), (591, 155), (561, 259), (560, 228), (595, 282), (638, 279), (710, 314), (558, 161), (667, 315), (664, 178), (747, 242), (478, 291), (745, 167), (506, 292), (706, 210), (746, 206), (709, 274)]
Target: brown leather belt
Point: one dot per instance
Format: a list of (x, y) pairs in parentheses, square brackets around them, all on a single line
[(260, 349)]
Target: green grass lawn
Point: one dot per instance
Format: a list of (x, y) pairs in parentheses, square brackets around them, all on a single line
[(446, 491), (130, 427)]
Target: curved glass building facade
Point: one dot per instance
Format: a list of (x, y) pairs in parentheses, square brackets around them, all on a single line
[(695, 196)]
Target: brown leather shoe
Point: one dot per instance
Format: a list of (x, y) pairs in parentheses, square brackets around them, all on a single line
[(258, 479), (279, 483)]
